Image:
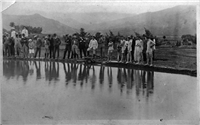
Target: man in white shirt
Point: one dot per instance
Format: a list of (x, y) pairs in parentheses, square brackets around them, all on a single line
[(93, 45), (25, 32), (13, 33)]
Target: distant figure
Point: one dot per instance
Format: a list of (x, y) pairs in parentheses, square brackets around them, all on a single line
[(123, 47), (93, 45), (56, 44), (154, 48), (12, 46), (149, 52), (144, 49), (51, 46), (25, 32), (46, 46), (31, 45), (138, 50), (68, 46), (13, 33), (24, 43), (129, 55), (17, 45), (133, 48), (82, 47), (110, 50), (38, 46), (75, 49), (119, 47), (101, 46)]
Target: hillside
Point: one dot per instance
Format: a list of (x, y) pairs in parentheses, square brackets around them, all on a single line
[(36, 20), (174, 21), (178, 20)]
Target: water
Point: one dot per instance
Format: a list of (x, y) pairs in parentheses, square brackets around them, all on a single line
[(41, 92)]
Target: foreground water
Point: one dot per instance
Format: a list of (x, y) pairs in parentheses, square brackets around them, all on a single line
[(40, 92)]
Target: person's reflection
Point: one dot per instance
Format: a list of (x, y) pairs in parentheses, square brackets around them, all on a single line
[(81, 75), (25, 70), (93, 78), (137, 82), (67, 73), (51, 72), (150, 82), (8, 67), (101, 76), (143, 84), (129, 81), (47, 71), (57, 71), (87, 73), (31, 66), (74, 68), (38, 70), (110, 78), (120, 80)]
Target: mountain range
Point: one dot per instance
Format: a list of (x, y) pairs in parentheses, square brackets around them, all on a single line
[(174, 21)]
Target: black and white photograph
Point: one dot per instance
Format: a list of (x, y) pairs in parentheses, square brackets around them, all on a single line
[(99, 62)]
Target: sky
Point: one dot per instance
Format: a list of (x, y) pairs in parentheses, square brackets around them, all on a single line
[(123, 6)]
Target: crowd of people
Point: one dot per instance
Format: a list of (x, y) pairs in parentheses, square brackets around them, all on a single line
[(139, 50)]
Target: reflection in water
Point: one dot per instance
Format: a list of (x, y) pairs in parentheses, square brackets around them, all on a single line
[(75, 73)]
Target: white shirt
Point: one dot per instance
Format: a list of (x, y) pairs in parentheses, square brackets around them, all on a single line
[(93, 44), (13, 34), (149, 44), (25, 32)]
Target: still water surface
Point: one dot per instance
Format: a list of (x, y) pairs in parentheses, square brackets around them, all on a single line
[(36, 92)]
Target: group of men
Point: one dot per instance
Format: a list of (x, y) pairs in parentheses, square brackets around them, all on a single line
[(129, 49)]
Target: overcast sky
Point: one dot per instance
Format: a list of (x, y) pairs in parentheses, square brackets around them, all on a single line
[(124, 6)]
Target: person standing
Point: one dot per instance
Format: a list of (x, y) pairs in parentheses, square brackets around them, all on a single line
[(119, 47), (93, 45), (50, 39), (110, 49), (24, 42), (25, 32), (101, 45), (144, 49), (46, 46), (137, 56), (75, 48), (38, 46), (31, 46), (149, 52), (129, 55), (13, 33), (57, 43), (17, 45), (82, 47), (123, 49), (133, 48), (154, 48), (68, 46)]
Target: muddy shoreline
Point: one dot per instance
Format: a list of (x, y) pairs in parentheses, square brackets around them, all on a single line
[(157, 68)]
